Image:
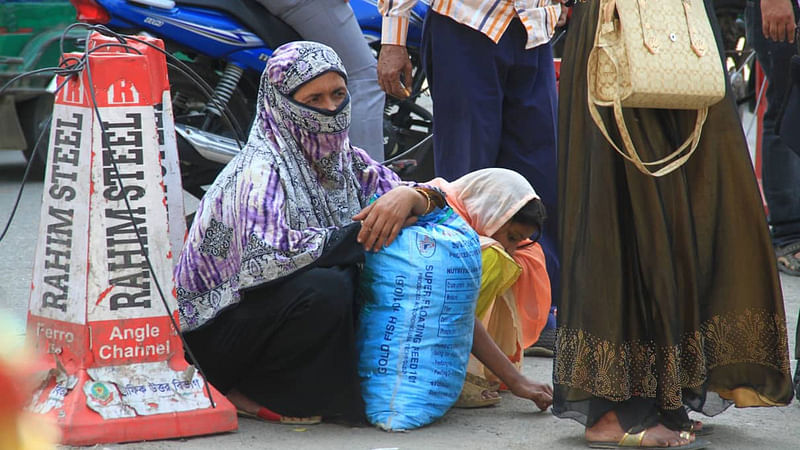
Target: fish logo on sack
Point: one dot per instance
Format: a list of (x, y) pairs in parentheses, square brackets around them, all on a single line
[(426, 245)]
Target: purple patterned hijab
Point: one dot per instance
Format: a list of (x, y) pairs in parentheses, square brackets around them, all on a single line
[(272, 208)]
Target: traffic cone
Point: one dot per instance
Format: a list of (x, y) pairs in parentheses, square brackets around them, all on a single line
[(117, 371), (165, 125)]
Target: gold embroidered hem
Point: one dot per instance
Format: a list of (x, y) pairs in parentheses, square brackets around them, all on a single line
[(619, 371)]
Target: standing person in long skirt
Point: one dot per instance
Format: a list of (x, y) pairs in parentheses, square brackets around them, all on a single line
[(670, 295)]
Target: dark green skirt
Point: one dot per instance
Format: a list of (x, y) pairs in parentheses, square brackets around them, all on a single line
[(670, 294)]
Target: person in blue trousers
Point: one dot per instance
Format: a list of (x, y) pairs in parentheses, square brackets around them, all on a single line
[(771, 26)]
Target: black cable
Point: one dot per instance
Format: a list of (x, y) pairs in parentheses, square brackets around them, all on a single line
[(229, 118), (55, 70), (63, 69), (104, 145), (409, 151)]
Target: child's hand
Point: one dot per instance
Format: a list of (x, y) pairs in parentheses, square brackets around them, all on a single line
[(539, 393)]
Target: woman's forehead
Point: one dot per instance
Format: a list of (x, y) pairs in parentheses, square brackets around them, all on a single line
[(296, 63), (326, 81)]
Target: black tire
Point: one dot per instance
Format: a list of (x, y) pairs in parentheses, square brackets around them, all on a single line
[(35, 116), (405, 125), (730, 16)]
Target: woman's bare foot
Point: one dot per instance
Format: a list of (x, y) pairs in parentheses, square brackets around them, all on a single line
[(488, 394), (696, 425), (242, 402), (608, 429)]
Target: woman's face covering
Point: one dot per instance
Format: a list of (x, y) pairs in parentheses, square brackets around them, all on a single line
[(512, 233), (325, 92)]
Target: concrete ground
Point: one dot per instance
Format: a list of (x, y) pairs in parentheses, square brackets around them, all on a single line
[(514, 424)]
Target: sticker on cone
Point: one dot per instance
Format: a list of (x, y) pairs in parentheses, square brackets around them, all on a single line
[(118, 372)]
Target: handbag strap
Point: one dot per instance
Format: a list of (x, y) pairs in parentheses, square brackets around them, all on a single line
[(648, 35), (671, 162), (696, 42)]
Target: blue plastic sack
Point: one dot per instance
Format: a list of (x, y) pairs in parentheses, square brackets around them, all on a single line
[(416, 323)]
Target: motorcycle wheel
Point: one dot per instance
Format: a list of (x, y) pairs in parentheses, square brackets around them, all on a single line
[(405, 125), (739, 55)]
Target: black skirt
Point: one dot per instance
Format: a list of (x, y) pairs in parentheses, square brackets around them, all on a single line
[(289, 345)]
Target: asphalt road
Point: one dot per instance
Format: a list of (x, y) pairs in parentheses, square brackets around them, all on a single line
[(514, 424)]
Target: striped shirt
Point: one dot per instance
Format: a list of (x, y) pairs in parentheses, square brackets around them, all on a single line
[(490, 17)]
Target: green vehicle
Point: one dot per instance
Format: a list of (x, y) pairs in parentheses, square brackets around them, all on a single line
[(30, 31)]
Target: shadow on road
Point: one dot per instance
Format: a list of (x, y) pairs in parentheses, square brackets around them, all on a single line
[(12, 166)]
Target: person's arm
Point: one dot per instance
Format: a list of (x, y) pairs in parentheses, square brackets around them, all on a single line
[(382, 220), (393, 59), (777, 20), (564, 16), (487, 352)]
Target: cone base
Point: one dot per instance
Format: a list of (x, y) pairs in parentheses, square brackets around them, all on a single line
[(80, 425)]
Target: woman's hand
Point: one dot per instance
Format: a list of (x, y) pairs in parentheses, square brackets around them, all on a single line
[(382, 221)]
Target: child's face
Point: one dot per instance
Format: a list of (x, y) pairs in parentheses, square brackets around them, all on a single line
[(512, 233)]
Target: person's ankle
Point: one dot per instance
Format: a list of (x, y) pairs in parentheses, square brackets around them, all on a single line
[(242, 402), (607, 428)]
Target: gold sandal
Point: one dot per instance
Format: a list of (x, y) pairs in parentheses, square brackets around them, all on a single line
[(483, 382), (635, 441), (472, 396)]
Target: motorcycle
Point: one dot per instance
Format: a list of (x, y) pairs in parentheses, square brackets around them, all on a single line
[(228, 44), (739, 55)]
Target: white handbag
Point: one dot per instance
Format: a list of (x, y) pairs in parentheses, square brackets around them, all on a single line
[(654, 54)]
